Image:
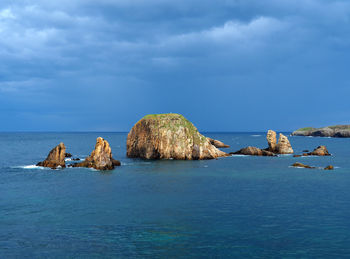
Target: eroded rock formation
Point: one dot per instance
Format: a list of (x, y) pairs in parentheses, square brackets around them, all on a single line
[(169, 136), (297, 164), (319, 151), (55, 158), (217, 143), (100, 158), (283, 146)]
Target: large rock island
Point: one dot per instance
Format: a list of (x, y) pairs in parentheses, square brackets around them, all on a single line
[(338, 131), (169, 136)]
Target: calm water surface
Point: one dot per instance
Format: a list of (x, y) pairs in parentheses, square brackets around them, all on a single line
[(241, 207)]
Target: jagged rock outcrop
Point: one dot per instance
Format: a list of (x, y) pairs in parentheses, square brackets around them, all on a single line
[(217, 143), (338, 131), (55, 158), (169, 136), (100, 158), (283, 145), (271, 140), (253, 151)]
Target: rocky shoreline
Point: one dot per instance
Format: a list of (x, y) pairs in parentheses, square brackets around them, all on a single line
[(338, 131)]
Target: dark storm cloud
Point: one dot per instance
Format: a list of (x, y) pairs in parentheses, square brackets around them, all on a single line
[(69, 65)]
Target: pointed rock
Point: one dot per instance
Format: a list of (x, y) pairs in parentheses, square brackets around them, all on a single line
[(169, 136), (271, 140), (283, 146), (55, 158), (217, 143), (100, 158)]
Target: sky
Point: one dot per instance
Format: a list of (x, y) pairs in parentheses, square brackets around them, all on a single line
[(226, 65)]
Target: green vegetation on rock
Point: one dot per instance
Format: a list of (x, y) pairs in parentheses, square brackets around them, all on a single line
[(306, 129), (173, 122)]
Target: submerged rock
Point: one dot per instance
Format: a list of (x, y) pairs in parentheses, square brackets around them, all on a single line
[(169, 136), (100, 158), (297, 164), (55, 158), (253, 151), (217, 143)]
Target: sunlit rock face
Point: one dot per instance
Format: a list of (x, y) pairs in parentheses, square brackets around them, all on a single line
[(55, 158), (169, 136), (100, 158)]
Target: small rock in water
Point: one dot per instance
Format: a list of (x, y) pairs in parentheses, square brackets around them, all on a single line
[(330, 167), (297, 164), (68, 155)]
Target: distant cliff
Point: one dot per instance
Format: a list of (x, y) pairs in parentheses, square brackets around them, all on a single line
[(338, 131)]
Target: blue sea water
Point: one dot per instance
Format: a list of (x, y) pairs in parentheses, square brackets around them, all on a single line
[(234, 207)]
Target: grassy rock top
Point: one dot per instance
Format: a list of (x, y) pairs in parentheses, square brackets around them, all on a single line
[(173, 122)]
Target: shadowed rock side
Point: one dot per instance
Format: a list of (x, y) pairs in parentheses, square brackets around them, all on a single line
[(338, 131), (55, 158), (100, 158), (282, 147), (217, 143), (253, 151), (169, 136)]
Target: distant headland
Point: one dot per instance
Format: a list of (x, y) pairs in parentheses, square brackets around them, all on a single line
[(338, 131)]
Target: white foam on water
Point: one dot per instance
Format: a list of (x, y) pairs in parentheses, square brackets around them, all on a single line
[(30, 167), (255, 135), (239, 155), (67, 159)]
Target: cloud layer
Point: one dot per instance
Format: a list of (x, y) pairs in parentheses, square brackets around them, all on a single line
[(228, 65)]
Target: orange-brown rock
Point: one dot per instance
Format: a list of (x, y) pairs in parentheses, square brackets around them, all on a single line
[(169, 136), (100, 158), (55, 158), (253, 151), (330, 167), (271, 140), (284, 146), (217, 143), (320, 151)]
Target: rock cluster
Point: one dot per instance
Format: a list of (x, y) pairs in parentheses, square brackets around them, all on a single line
[(300, 165), (100, 158), (169, 136), (283, 146), (319, 151), (55, 158)]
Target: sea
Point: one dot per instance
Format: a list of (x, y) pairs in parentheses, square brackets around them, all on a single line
[(232, 207)]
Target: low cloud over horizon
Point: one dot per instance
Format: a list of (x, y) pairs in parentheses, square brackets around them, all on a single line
[(225, 65)]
